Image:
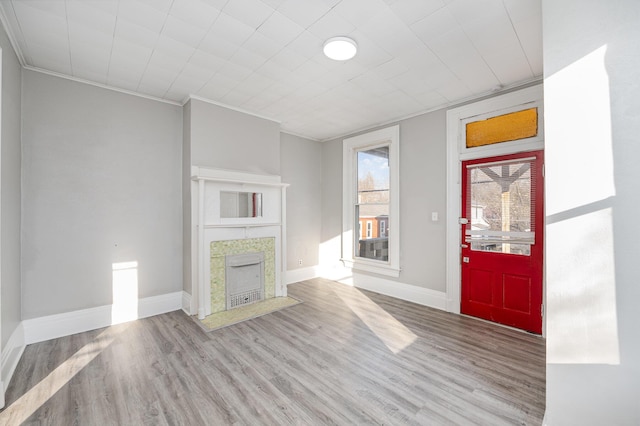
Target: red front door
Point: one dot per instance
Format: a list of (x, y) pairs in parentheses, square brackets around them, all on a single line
[(502, 239)]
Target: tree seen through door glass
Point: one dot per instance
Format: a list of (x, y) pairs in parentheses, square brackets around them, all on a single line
[(372, 207), (500, 208)]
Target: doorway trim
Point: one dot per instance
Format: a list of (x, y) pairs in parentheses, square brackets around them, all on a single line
[(457, 151)]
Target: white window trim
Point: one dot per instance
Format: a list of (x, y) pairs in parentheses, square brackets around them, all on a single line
[(387, 136)]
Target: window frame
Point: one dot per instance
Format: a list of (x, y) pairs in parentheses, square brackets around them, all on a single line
[(389, 136)]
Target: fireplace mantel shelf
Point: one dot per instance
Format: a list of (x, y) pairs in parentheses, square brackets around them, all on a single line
[(229, 176), (240, 225)]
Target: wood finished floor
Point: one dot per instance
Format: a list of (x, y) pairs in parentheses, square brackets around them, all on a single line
[(344, 356)]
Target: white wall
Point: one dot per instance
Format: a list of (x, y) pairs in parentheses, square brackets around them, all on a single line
[(422, 191), (592, 123), (10, 189), (301, 167), (101, 185)]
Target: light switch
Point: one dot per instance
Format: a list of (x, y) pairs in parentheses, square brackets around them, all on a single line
[(434, 216)]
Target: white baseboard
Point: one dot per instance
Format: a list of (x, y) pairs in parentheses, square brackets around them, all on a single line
[(297, 275), (410, 293), (186, 304), (59, 325), (11, 354)]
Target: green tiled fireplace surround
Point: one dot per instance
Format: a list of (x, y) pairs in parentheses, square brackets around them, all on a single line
[(220, 249)]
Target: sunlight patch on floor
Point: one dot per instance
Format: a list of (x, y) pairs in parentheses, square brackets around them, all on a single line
[(389, 330), (36, 397)]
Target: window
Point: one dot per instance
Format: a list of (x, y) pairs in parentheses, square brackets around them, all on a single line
[(370, 191)]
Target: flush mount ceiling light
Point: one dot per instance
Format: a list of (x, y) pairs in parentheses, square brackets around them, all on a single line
[(340, 48)]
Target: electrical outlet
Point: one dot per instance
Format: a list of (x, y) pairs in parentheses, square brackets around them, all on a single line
[(299, 261)]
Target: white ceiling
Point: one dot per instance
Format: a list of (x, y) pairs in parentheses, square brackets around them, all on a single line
[(265, 56)]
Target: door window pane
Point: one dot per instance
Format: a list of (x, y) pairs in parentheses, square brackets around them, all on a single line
[(499, 206)]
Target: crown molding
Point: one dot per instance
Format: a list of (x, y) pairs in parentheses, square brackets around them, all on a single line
[(12, 38), (298, 135), (233, 108), (100, 85)]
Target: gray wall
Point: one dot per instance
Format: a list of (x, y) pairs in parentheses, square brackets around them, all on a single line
[(592, 122), (101, 185), (227, 139), (10, 154), (422, 191), (301, 167)]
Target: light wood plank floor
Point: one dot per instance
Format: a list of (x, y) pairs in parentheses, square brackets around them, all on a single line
[(344, 356)]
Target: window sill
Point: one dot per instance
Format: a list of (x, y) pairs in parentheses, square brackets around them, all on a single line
[(375, 268)]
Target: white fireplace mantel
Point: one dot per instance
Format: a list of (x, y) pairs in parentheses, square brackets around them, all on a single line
[(207, 225)]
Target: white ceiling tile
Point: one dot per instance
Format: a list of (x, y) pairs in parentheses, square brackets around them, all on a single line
[(311, 70), (304, 13), (435, 25), (251, 12), (369, 53), (144, 15), (217, 87), (235, 98), (373, 84), (257, 83), (288, 59), (280, 29), (89, 14), (127, 51), (390, 33), (205, 60), (331, 25), (247, 59), (429, 99), (48, 7), (183, 32), (260, 101), (509, 66), (273, 3), (161, 63), (190, 82), (306, 44), (412, 11), (197, 13), (179, 52), (234, 71), (230, 29), (454, 89), (391, 69), (261, 45), (467, 12), (360, 12), (160, 5), (136, 34), (40, 24), (218, 46)]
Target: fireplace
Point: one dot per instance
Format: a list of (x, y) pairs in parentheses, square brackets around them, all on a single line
[(239, 221)]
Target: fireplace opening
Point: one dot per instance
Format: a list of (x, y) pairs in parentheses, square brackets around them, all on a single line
[(244, 279)]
